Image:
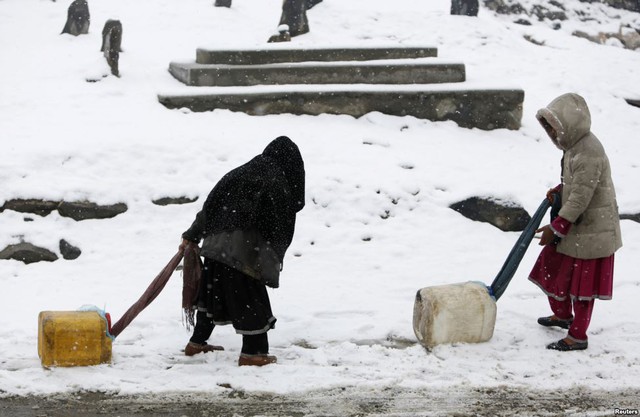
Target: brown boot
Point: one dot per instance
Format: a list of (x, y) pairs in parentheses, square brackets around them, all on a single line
[(256, 360), (194, 348)]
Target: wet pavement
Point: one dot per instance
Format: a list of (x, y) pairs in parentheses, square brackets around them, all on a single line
[(343, 402)]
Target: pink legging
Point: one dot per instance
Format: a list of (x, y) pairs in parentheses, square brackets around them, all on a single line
[(582, 310)]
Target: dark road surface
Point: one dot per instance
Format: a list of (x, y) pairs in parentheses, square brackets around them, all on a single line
[(346, 402)]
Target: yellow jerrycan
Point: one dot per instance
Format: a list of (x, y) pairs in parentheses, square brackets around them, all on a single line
[(74, 338)]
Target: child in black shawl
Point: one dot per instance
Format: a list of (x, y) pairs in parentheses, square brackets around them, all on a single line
[(247, 223)]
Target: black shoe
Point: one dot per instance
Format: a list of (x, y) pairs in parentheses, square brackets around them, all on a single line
[(552, 321), (563, 346)]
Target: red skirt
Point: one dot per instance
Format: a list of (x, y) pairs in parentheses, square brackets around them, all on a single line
[(559, 275)]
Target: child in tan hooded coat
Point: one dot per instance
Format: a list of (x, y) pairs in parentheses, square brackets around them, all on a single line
[(576, 264)]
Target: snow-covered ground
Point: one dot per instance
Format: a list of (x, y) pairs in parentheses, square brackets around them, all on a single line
[(345, 304)]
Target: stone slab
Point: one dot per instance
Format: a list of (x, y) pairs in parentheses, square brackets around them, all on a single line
[(275, 55), (370, 72), (485, 109)]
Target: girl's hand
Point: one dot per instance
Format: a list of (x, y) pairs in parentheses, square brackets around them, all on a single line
[(556, 190), (547, 235)]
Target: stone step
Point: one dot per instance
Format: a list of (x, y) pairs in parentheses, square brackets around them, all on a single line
[(413, 71), (481, 108), (277, 54)]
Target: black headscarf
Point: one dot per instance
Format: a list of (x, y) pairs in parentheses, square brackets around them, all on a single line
[(265, 194), (287, 156)]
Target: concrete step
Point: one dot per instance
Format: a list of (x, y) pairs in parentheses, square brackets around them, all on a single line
[(481, 108), (408, 71), (285, 54)]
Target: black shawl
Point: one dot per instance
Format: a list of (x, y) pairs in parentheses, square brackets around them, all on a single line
[(263, 194)]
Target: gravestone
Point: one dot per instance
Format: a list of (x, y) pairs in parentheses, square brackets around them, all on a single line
[(294, 15), (111, 44), (464, 7), (78, 18)]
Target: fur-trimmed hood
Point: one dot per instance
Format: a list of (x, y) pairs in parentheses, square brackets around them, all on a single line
[(570, 118)]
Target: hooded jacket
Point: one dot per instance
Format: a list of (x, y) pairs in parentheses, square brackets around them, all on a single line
[(588, 195), (248, 219)]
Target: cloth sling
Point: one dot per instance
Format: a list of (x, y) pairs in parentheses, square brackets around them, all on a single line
[(191, 278)]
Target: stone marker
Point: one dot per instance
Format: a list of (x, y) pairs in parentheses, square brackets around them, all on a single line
[(294, 15), (78, 18), (464, 7), (111, 44)]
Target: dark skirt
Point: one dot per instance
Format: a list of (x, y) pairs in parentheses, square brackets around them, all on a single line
[(230, 297)]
